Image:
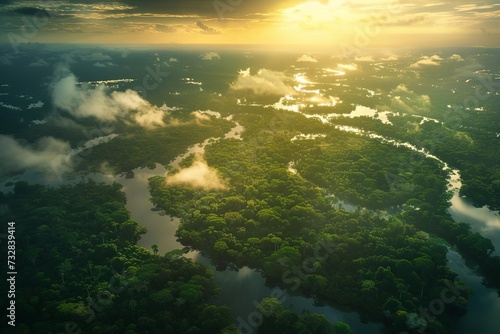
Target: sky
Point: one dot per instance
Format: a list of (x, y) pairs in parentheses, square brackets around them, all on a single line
[(341, 24)]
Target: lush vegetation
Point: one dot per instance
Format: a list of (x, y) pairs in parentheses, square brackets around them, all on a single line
[(276, 221), (278, 320), (139, 147), (81, 271), (473, 150)]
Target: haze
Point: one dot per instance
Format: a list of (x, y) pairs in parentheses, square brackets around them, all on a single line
[(326, 25)]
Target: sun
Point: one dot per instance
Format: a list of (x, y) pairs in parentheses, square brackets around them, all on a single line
[(315, 12), (313, 22)]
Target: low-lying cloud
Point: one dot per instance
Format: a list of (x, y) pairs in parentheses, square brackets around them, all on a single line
[(427, 61), (47, 155), (456, 57), (407, 101), (364, 59), (348, 67), (83, 101), (265, 82), (306, 58), (210, 56), (199, 175)]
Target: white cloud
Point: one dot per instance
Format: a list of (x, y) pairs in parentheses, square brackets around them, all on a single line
[(8, 106), (39, 104), (150, 118), (436, 57), (198, 175), (84, 101), (456, 57), (307, 58), (348, 67), (173, 60), (365, 58), (427, 61), (390, 58), (48, 155), (265, 82), (210, 56), (407, 101), (106, 64)]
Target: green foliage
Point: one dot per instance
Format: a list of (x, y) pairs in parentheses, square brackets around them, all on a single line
[(277, 221), (277, 320), (81, 268), (145, 147)]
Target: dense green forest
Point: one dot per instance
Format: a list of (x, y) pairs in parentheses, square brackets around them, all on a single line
[(82, 271), (271, 219), (471, 149), (347, 218), (138, 147)]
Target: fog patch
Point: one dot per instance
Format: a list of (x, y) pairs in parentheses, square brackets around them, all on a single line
[(406, 101), (83, 101), (210, 55), (47, 155), (199, 175), (265, 82)]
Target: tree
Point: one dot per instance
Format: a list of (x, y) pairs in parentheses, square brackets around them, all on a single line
[(342, 328)]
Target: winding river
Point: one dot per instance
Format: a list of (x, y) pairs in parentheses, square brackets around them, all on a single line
[(484, 304), (240, 289)]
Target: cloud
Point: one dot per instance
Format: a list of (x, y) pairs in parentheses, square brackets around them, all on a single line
[(348, 67), (8, 106), (173, 60), (82, 101), (365, 58), (38, 63), (198, 175), (150, 118), (210, 56), (390, 58), (36, 105), (208, 8), (102, 65), (406, 101), (307, 58), (265, 82), (427, 61), (456, 57), (48, 155), (206, 29)]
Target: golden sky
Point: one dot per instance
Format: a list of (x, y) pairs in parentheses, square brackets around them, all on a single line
[(339, 24)]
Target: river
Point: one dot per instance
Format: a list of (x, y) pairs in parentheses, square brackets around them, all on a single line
[(240, 289), (484, 304)]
